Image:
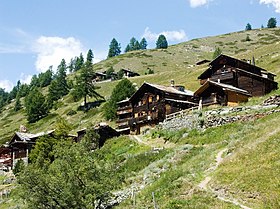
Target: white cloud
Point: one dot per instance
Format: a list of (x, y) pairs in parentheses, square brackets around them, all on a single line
[(51, 50), (275, 4), (198, 3), (25, 78), (6, 84), (170, 35)]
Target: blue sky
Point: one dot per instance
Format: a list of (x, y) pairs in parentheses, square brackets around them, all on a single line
[(37, 34)]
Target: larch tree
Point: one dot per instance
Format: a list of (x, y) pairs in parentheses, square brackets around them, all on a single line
[(35, 105), (114, 48), (272, 22), (161, 42), (59, 86), (124, 89), (143, 44), (248, 27), (84, 86)]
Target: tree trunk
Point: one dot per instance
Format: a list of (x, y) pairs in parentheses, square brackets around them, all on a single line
[(85, 104)]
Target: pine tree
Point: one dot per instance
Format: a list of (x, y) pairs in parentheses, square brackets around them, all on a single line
[(123, 90), (248, 27), (127, 48), (132, 43), (137, 45), (84, 82), (272, 23), (161, 42), (114, 48), (45, 78), (59, 86), (18, 103), (36, 107), (79, 62), (143, 44), (34, 82)]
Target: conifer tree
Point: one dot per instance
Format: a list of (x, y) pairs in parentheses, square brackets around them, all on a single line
[(35, 104), (161, 42), (123, 90), (58, 87), (18, 103), (84, 82), (248, 27), (143, 44), (127, 48), (114, 48), (272, 22)]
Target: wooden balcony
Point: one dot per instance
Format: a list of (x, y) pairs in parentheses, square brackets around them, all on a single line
[(222, 76), (124, 111)]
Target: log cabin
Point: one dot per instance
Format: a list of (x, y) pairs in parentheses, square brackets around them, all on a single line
[(103, 130), (127, 73), (22, 143), (150, 104), (212, 93), (100, 76), (240, 74)]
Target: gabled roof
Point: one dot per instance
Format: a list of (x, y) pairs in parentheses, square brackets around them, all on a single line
[(100, 73), (27, 137), (165, 89), (224, 86), (216, 61), (170, 89), (130, 71)]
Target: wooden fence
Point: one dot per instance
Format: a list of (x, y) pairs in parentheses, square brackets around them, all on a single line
[(180, 113)]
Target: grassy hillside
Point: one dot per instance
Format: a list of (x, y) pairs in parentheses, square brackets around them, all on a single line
[(177, 62), (235, 166)]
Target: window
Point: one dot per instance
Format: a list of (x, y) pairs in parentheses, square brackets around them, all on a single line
[(150, 99)]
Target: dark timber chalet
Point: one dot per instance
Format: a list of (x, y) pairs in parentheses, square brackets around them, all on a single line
[(127, 73), (242, 75), (150, 104), (212, 93), (21, 144)]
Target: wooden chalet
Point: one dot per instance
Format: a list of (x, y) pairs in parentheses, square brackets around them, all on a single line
[(21, 144), (127, 73), (100, 76), (240, 74), (124, 113), (211, 93), (103, 130), (150, 104), (5, 158)]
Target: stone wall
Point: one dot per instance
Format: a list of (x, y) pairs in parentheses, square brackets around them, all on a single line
[(222, 116)]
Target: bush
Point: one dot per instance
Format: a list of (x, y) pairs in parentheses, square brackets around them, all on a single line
[(19, 167)]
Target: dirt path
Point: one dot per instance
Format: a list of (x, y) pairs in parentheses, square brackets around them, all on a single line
[(154, 143), (138, 139), (204, 183)]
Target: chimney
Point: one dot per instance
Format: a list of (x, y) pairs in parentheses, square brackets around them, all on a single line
[(172, 83)]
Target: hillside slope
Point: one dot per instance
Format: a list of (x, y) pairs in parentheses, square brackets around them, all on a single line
[(232, 166), (177, 62)]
